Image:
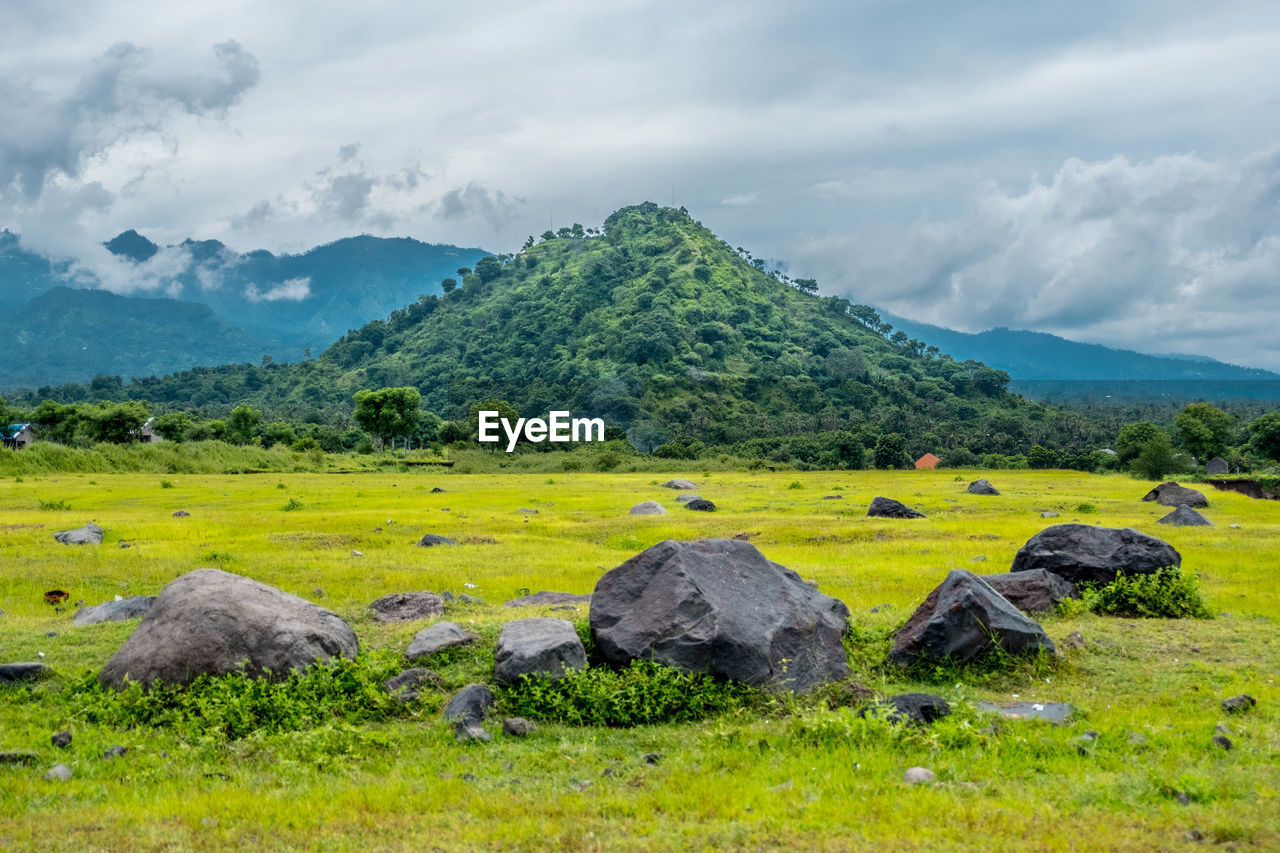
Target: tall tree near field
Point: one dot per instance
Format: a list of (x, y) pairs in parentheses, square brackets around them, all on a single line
[(891, 451), (1132, 438), (244, 424), (1204, 430), (1264, 435), (387, 414), (1155, 459)]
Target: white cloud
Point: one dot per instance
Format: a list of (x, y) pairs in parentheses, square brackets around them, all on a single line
[(293, 290)]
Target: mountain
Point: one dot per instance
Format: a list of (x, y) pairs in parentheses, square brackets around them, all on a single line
[(662, 329), (1039, 356)]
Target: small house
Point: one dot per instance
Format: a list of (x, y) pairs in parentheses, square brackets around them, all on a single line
[(928, 461), (18, 436), (149, 435)]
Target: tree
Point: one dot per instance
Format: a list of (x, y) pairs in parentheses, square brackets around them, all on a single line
[(172, 426), (1132, 438), (117, 423), (56, 421), (1204, 430), (891, 452), (1041, 457), (806, 285), (244, 425), (548, 235), (1264, 435), (388, 413), (449, 285), (463, 272), (1155, 459), (505, 411), (848, 449), (488, 269)]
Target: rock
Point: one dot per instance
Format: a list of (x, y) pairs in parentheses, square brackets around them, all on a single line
[(537, 647), (1137, 739), (1185, 516), (1074, 640), (919, 776), (544, 599), (981, 558), (59, 773), (648, 508), (527, 511), (90, 534), (212, 622), (472, 701), (1239, 704), (853, 692), (682, 485), (879, 608), (1222, 742), (408, 685), (182, 513), (1236, 526), (116, 751), (437, 491), (14, 672), (517, 727), (684, 499), (1222, 729), (1048, 514), (1054, 712), (1172, 494), (889, 508), (982, 487), (833, 497), (62, 739), (437, 638), (469, 599), (1081, 553), (114, 611), (718, 606), (1037, 591), (14, 759), (1216, 467), (356, 553), (700, 505), (404, 606), (1084, 743), (469, 729), (653, 757), (917, 709), (963, 619), (431, 540)]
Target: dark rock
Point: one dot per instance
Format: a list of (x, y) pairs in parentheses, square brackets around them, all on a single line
[(1054, 712), (469, 729), (59, 773), (682, 485), (14, 759), (212, 622), (116, 751), (1185, 516), (1239, 704), (653, 757), (881, 608), (982, 487), (1222, 742), (854, 692), (544, 598), (1216, 467), (889, 508), (1074, 640), (469, 599), (472, 701), (62, 739), (517, 727), (1080, 553), (718, 606), (919, 776), (963, 619), (408, 685), (918, 709), (684, 499), (527, 511), (1172, 494), (437, 638), (701, 505), (437, 491), (429, 540), (114, 611), (1222, 729), (90, 534), (182, 513), (833, 497), (537, 647), (404, 606), (1036, 591), (448, 597), (648, 508), (14, 672)]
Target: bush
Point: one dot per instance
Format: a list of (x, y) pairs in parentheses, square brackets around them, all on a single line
[(1165, 594), (55, 505)]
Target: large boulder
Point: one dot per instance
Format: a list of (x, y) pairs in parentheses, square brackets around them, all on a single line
[(648, 508), (1172, 494), (1185, 516), (114, 611), (537, 647), (90, 534), (889, 508), (405, 606), (213, 622), (718, 606), (982, 487), (963, 619), (1082, 553), (682, 485), (700, 505), (1032, 592)]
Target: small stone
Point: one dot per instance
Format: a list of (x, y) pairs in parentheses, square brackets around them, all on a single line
[(880, 607), (1048, 514), (528, 511), (430, 540), (1137, 739), (1235, 527), (1239, 704), (182, 513), (1222, 742), (62, 739), (470, 599), (981, 558), (437, 491), (408, 685), (1182, 799), (469, 729), (517, 727), (59, 773), (684, 499), (15, 758), (116, 751), (918, 776), (1074, 640), (833, 497), (356, 553), (1194, 834), (1222, 729), (653, 757)]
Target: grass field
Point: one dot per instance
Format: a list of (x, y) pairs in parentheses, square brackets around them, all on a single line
[(796, 776)]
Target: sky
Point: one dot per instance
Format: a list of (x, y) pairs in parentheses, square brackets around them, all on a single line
[(1109, 172)]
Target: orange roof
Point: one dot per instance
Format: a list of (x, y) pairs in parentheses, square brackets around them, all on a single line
[(927, 461)]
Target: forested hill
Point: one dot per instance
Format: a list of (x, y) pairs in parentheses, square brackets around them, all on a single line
[(661, 328)]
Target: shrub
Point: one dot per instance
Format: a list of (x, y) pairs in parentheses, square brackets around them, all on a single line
[(293, 504), (166, 484), (55, 505), (1086, 508), (1165, 594)]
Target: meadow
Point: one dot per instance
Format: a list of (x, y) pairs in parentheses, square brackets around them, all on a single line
[(783, 774)]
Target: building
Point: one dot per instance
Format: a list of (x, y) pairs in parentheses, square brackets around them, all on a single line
[(18, 436), (928, 461), (149, 435)]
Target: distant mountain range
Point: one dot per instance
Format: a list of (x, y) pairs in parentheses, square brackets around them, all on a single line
[(230, 307)]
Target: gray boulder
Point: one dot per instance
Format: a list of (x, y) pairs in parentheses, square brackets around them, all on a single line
[(90, 534), (718, 606), (963, 619), (889, 508), (431, 539), (213, 622), (982, 487), (537, 647), (470, 703), (682, 485), (1216, 467), (114, 611), (404, 606), (437, 638), (408, 685), (1032, 592), (14, 672), (919, 709), (648, 508), (1185, 516), (1082, 553), (1172, 494), (700, 505), (548, 599), (684, 499)]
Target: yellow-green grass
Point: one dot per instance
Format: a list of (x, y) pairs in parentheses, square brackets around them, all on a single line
[(803, 779)]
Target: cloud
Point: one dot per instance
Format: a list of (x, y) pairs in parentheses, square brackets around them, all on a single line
[(473, 200), (740, 200), (293, 290)]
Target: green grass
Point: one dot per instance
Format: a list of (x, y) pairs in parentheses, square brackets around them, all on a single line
[(804, 774)]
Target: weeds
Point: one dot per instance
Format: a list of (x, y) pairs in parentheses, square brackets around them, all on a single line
[(1164, 594)]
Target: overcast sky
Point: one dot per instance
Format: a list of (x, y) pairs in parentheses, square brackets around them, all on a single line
[(1105, 171)]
